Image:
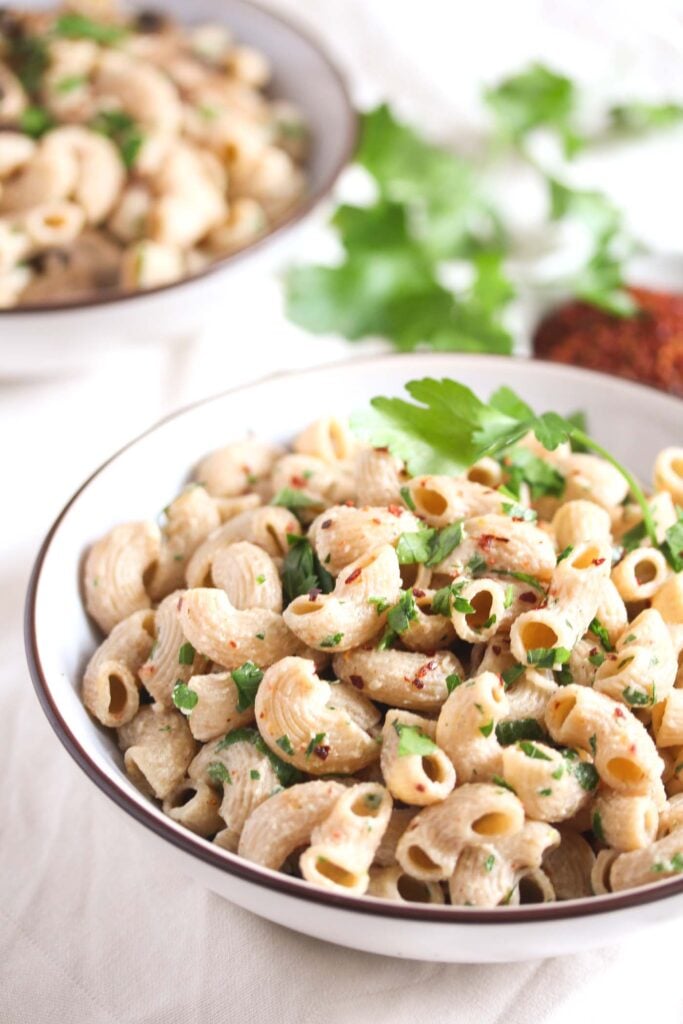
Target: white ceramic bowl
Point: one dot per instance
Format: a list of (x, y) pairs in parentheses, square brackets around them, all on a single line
[(632, 421), (52, 339)]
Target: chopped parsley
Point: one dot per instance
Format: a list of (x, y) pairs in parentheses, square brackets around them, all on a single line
[(316, 741), (295, 500), (302, 570), (453, 681), (545, 792), (332, 641), (413, 741), (399, 618), (489, 862), (593, 744), (381, 604), (559, 772), (548, 657), (523, 577), (260, 579), (408, 498), (500, 781), (123, 131), (516, 511), (511, 674), (509, 596), (565, 553), (476, 564), (586, 775), (285, 744), (184, 698), (599, 631), (69, 83), (518, 729), (486, 729), (675, 865), (247, 679), (35, 121), (186, 654), (218, 773), (447, 599), (597, 826), (596, 659), (636, 698), (523, 467), (287, 774), (428, 546), (532, 751), (672, 545), (72, 25), (254, 774), (491, 621)]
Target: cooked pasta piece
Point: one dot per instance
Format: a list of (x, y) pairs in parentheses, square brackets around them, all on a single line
[(403, 679), (248, 575), (642, 669), (342, 534), (392, 883), (466, 728), (626, 822), (171, 659), (662, 859), (111, 690), (116, 570), (157, 749), (668, 473), (551, 785), (415, 770), (569, 866)]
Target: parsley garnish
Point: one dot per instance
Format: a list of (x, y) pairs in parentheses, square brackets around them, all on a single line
[(184, 698), (284, 743), (596, 659), (672, 545), (77, 26), (247, 678), (407, 498), (302, 570), (586, 775), (453, 681), (399, 618), (593, 744), (332, 641), (531, 750), (518, 729), (509, 596), (412, 740), (565, 553), (316, 741), (35, 121), (598, 630), (186, 654), (287, 774), (489, 862), (500, 781), (511, 674), (486, 729), (636, 698), (295, 500), (674, 866), (218, 773), (69, 83), (545, 792), (449, 429), (448, 599), (597, 826), (428, 546), (548, 657), (254, 774), (120, 127), (516, 511), (381, 604)]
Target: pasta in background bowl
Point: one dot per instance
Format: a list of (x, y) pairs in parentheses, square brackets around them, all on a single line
[(450, 753), (143, 154)]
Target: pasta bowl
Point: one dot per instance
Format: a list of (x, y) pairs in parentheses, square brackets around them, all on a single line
[(59, 336), (60, 638)]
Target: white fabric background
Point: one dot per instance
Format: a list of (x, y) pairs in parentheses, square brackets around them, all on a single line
[(91, 931)]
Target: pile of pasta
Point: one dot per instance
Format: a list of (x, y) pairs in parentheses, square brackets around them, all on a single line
[(420, 688), (134, 151)]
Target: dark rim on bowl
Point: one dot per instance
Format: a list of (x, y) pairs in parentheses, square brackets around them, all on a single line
[(296, 214), (189, 843)]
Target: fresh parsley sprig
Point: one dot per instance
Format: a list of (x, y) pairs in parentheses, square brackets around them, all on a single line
[(446, 429)]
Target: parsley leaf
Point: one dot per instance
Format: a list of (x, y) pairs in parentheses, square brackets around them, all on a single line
[(302, 570), (586, 774), (447, 599), (294, 499), (247, 679), (77, 26), (287, 774), (637, 117), (428, 546), (218, 773), (184, 698), (398, 619), (120, 127), (285, 744), (636, 698), (598, 630), (672, 546), (548, 657), (518, 729), (332, 641), (536, 98), (523, 467), (35, 121), (531, 750), (186, 654), (453, 681), (412, 740), (511, 675), (597, 826)]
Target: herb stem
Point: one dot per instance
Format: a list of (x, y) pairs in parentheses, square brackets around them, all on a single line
[(634, 486)]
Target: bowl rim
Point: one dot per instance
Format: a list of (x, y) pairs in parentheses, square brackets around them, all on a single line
[(245, 870), (350, 135)]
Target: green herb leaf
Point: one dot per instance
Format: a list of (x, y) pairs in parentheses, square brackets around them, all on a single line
[(586, 775), (597, 826), (120, 127), (523, 467), (285, 744), (500, 781), (486, 729), (294, 499), (531, 750), (316, 741), (511, 674), (287, 774), (77, 26), (399, 618), (548, 657), (35, 121), (412, 740), (69, 83), (518, 729), (672, 546), (218, 773), (536, 98), (186, 654), (302, 570), (453, 681), (636, 698), (520, 512), (254, 774), (332, 641), (428, 546), (596, 659), (599, 631), (489, 862), (184, 698), (247, 678), (565, 553), (381, 604), (637, 117), (408, 498)]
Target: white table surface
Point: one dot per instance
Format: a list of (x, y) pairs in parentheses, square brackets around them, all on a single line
[(91, 931)]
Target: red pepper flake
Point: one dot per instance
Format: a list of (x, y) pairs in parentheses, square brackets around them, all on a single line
[(647, 347), (357, 681), (322, 751), (496, 649), (528, 597), (350, 504), (598, 561), (298, 481), (420, 787), (314, 594), (326, 524), (383, 449), (377, 522), (417, 592), (418, 684), (231, 643), (618, 713), (395, 510), (352, 577), (632, 748)]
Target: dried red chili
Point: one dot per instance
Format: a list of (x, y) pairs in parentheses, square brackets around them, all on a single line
[(647, 347)]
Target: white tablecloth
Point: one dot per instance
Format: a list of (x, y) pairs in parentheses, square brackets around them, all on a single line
[(91, 930)]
